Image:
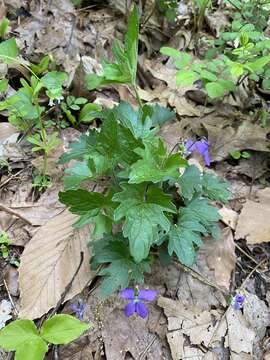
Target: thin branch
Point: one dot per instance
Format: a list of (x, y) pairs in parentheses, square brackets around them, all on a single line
[(15, 213), (10, 298)]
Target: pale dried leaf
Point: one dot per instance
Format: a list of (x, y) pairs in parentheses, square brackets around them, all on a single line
[(258, 317), (192, 321), (240, 335), (264, 196), (49, 262), (229, 217), (221, 257), (6, 130), (216, 21), (176, 342), (246, 136), (253, 224)]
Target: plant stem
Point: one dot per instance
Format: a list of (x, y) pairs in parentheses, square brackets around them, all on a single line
[(134, 86)]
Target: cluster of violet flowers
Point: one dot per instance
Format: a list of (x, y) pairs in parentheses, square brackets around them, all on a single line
[(137, 299)]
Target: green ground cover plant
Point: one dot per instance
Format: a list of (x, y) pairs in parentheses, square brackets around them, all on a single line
[(155, 207), (241, 52)]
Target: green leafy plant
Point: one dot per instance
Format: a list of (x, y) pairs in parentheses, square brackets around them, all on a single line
[(168, 8), (123, 71), (4, 27), (255, 12), (199, 9), (26, 113), (4, 244), (240, 154), (223, 74), (147, 204), (23, 337)]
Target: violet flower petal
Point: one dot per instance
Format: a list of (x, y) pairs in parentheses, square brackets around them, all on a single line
[(74, 307), (141, 309), (148, 295), (201, 146), (237, 306), (127, 294), (206, 158), (190, 145), (130, 308), (239, 298)]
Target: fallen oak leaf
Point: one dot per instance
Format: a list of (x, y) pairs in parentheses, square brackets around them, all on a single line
[(48, 264)]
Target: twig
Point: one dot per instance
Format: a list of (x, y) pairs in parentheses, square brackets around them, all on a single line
[(245, 253), (148, 17), (68, 287), (15, 213), (11, 177), (10, 298), (251, 273), (71, 33), (198, 276)]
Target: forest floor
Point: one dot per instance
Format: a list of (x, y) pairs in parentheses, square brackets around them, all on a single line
[(191, 318)]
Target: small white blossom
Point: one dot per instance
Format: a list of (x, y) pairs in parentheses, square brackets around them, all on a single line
[(51, 103)]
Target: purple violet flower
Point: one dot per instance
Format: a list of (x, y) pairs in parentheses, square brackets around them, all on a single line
[(238, 301), (137, 297), (201, 147), (78, 309)]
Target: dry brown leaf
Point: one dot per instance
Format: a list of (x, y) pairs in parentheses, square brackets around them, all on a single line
[(208, 329), (229, 217), (221, 257), (172, 134), (253, 224), (80, 349), (246, 136), (192, 321), (6, 129), (49, 262), (11, 276), (132, 337)]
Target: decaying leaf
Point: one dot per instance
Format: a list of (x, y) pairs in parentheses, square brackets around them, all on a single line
[(246, 136), (221, 257), (253, 224), (132, 337), (49, 262), (191, 328), (229, 217)]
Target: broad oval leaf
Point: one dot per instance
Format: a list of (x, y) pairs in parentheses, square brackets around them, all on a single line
[(214, 89), (8, 50), (62, 329), (17, 333), (186, 78)]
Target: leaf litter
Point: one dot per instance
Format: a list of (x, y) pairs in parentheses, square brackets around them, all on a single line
[(198, 321)]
